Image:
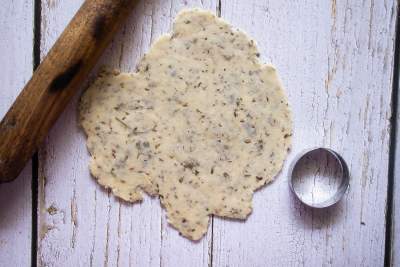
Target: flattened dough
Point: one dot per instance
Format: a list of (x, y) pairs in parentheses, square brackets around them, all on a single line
[(201, 123)]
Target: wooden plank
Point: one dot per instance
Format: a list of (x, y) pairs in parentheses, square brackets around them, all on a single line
[(80, 223), (335, 58), (16, 57)]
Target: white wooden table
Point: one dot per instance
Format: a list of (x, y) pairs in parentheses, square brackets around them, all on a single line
[(337, 61)]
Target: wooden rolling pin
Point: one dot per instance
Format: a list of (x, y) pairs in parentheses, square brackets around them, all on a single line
[(56, 80)]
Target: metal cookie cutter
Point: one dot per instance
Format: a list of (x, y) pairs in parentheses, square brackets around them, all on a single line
[(319, 177)]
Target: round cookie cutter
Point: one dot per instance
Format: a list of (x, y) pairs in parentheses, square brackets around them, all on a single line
[(319, 177)]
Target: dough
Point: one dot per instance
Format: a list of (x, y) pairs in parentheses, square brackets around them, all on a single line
[(201, 123)]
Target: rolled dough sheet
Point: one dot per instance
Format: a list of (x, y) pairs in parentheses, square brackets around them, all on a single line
[(201, 123)]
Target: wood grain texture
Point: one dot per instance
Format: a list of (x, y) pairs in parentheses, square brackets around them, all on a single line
[(335, 59), (56, 81), (80, 223), (16, 50)]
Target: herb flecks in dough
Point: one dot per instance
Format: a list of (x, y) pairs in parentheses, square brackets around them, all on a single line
[(202, 124)]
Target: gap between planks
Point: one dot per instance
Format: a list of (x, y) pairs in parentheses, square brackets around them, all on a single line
[(35, 159), (390, 214)]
